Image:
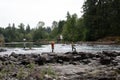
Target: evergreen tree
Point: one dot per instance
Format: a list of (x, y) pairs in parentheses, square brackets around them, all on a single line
[(70, 28), (101, 18)]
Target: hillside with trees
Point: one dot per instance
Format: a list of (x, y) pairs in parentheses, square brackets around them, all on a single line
[(100, 19)]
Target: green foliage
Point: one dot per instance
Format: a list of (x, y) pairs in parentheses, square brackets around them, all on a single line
[(101, 18), (13, 34), (48, 71), (54, 33), (72, 28), (21, 74), (39, 34), (31, 66)]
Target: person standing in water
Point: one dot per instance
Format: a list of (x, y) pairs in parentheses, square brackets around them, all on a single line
[(73, 47), (52, 46)]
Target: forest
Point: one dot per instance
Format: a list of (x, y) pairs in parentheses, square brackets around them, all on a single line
[(100, 19)]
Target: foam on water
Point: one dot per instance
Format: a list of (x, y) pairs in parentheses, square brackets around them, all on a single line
[(62, 48)]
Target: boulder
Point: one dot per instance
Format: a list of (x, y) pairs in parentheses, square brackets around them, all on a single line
[(110, 54), (25, 62), (105, 60), (77, 58), (40, 60), (64, 57), (3, 50), (13, 54), (107, 78)]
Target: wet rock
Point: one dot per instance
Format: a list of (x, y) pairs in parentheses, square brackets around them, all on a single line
[(110, 54), (64, 57), (68, 53), (40, 60), (74, 53), (74, 62), (86, 61), (13, 54), (13, 59), (2, 58), (117, 58), (60, 61), (107, 79), (25, 62), (3, 50), (114, 62), (105, 60), (49, 58), (70, 63), (97, 55), (77, 58), (83, 55), (1, 66), (35, 55)]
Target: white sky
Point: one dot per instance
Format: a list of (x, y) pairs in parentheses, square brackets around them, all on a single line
[(33, 11)]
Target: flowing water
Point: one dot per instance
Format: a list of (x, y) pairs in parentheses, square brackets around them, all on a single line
[(62, 48)]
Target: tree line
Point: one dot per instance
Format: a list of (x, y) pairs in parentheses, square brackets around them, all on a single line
[(100, 19), (14, 33)]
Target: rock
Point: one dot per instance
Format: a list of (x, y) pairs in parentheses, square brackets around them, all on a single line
[(25, 62), (97, 55), (77, 58), (83, 55), (117, 59), (14, 74), (110, 54), (74, 53), (107, 78), (105, 60), (90, 55), (3, 50), (13, 59), (35, 55), (85, 61), (13, 54), (68, 53), (1, 66), (2, 58), (70, 67), (50, 58), (74, 62), (63, 78), (35, 75), (47, 77), (40, 60), (60, 61), (114, 62)]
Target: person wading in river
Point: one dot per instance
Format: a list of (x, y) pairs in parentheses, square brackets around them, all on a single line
[(73, 47), (52, 46)]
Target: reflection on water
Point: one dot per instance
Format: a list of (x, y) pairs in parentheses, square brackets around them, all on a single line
[(64, 48)]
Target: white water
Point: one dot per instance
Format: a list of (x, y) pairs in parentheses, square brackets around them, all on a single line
[(62, 48)]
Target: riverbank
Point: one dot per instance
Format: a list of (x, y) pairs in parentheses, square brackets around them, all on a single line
[(63, 66)]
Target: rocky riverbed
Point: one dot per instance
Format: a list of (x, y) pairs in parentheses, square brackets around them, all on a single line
[(62, 66)]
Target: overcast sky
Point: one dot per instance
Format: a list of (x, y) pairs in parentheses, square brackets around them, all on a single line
[(33, 11)]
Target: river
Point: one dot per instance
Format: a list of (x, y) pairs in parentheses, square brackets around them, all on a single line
[(62, 48)]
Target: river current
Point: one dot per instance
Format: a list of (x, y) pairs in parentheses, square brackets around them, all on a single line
[(62, 48)]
